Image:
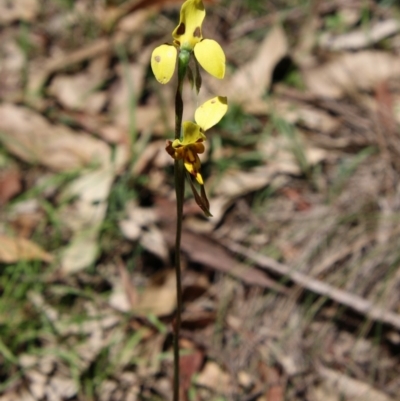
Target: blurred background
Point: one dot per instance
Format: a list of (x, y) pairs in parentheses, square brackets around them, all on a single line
[(291, 289)]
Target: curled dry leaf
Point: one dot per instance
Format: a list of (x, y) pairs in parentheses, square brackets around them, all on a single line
[(32, 138), (352, 72), (13, 250)]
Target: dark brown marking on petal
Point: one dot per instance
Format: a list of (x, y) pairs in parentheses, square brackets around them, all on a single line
[(157, 58), (181, 29), (212, 101), (197, 32)]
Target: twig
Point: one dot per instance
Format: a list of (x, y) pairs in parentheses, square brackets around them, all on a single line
[(354, 302)]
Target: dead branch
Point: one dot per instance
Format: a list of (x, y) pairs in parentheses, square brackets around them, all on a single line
[(354, 302)]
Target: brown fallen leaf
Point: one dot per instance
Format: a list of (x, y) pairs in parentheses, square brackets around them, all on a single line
[(189, 363), (84, 216), (272, 377), (15, 10), (10, 184), (139, 224), (32, 138), (159, 298), (13, 249), (77, 92), (352, 72), (214, 378), (250, 82), (128, 86), (40, 70), (11, 67), (362, 37), (305, 115), (281, 161)]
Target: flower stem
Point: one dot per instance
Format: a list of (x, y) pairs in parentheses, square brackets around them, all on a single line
[(183, 60)]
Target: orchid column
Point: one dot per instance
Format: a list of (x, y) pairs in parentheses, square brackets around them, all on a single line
[(188, 44)]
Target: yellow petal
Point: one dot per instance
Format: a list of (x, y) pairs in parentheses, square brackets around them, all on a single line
[(211, 57), (188, 32), (211, 112), (191, 133), (192, 164), (163, 60)]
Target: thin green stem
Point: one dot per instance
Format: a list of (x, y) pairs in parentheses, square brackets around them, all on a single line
[(183, 60)]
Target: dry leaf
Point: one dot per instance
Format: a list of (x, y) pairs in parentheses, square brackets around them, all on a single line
[(251, 81), (13, 250), (119, 299), (190, 364), (77, 92), (351, 72), (85, 216), (61, 387), (10, 184), (128, 87), (15, 10), (362, 37), (91, 192), (37, 383), (311, 117), (11, 66), (32, 138), (140, 225), (214, 378), (80, 253), (153, 154), (158, 298)]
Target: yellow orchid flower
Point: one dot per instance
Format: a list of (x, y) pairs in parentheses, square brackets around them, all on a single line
[(189, 148), (191, 145), (188, 37)]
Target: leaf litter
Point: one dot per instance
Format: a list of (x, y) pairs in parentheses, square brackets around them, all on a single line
[(290, 291)]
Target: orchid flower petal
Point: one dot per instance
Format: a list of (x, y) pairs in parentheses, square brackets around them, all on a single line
[(211, 112), (163, 60), (191, 133), (211, 57), (188, 33)]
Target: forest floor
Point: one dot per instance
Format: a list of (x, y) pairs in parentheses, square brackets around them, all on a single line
[(291, 290)]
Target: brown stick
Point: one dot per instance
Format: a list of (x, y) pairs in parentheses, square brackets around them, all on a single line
[(354, 302)]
